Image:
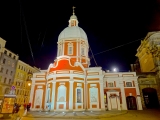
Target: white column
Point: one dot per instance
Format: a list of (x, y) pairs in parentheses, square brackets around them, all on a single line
[(85, 97), (71, 94), (32, 93), (102, 96), (80, 46), (53, 95), (77, 51), (139, 102), (63, 46), (109, 102), (45, 97), (118, 101), (124, 104)]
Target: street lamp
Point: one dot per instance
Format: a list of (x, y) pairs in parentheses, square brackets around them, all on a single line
[(29, 84), (114, 69)]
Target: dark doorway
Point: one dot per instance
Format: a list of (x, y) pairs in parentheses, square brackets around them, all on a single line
[(150, 98), (131, 103)]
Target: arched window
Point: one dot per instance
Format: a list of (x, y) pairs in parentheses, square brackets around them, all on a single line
[(70, 48), (93, 94), (79, 96), (38, 98), (83, 51), (61, 93)]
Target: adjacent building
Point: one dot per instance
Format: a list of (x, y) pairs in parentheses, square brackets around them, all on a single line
[(69, 84), (148, 69), (8, 62), (22, 80), (148, 85), (14, 73)]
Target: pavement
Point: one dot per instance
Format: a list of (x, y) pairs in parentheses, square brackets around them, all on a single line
[(150, 114), (75, 115)]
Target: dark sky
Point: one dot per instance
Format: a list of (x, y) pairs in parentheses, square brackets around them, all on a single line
[(107, 23)]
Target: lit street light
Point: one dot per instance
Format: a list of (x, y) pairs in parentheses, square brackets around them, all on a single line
[(114, 69)]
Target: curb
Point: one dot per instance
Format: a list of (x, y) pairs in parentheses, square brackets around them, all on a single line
[(80, 117)]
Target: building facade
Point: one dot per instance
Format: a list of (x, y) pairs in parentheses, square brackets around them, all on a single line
[(69, 84), (8, 62), (148, 85), (124, 86), (148, 54), (22, 78)]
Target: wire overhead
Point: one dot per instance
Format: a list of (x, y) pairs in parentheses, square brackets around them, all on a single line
[(111, 49), (118, 46), (93, 56), (23, 17)]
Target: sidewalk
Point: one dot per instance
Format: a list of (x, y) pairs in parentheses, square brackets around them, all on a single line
[(72, 115)]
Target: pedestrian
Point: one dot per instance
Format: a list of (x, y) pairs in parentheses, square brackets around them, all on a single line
[(20, 112)]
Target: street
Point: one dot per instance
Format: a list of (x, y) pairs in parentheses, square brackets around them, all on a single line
[(130, 115)]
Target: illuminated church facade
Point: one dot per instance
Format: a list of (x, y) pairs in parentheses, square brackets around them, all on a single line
[(69, 84)]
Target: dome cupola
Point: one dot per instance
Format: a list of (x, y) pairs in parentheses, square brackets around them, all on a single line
[(73, 30)]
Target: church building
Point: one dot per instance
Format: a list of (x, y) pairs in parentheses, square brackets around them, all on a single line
[(69, 84)]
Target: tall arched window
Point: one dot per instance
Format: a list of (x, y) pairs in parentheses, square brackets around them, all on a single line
[(61, 93), (38, 98), (79, 95)]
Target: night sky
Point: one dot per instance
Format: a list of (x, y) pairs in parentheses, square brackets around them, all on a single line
[(107, 23)]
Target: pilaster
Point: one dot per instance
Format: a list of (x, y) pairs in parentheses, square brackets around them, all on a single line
[(139, 102), (45, 104), (53, 95), (124, 104), (32, 92), (102, 96), (63, 44), (71, 94)]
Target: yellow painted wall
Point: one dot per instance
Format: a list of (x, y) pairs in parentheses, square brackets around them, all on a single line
[(147, 63)]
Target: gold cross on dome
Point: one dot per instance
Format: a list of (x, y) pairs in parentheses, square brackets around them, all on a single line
[(73, 9)]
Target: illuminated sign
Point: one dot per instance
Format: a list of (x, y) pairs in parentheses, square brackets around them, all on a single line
[(8, 105)]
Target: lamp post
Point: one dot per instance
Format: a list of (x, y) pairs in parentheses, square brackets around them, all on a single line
[(28, 88)]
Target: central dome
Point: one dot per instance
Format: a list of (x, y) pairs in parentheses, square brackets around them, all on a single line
[(72, 32)]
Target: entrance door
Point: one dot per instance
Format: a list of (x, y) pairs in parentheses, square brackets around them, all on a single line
[(150, 98), (131, 103)]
